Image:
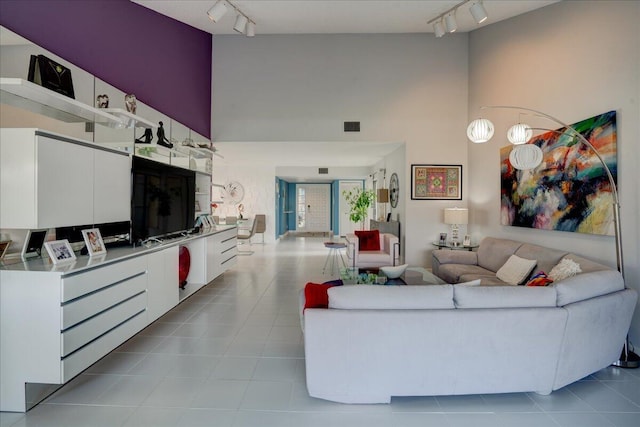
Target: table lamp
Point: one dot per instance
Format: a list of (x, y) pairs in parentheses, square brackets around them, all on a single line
[(456, 217)]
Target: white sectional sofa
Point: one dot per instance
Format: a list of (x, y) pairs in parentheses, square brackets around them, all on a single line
[(375, 342)]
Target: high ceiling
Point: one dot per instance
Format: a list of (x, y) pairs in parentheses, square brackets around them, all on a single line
[(337, 16), (327, 17)]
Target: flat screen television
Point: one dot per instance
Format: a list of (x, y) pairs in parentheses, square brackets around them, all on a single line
[(162, 201)]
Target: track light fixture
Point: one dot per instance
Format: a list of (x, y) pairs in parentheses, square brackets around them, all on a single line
[(447, 20), (478, 12), (243, 24), (450, 23), (438, 28), (217, 11)]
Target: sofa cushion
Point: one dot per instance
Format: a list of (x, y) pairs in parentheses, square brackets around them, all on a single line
[(516, 270), (494, 252), (378, 297), (587, 285), (564, 269), (315, 295), (503, 296), (369, 240), (454, 273), (546, 257)]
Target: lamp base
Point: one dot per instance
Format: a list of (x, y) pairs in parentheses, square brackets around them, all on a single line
[(628, 360)]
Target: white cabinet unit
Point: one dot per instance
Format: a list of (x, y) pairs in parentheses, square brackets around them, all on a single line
[(162, 288), (54, 325), (48, 181)]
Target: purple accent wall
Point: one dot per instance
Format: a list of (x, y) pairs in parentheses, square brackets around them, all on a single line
[(165, 63)]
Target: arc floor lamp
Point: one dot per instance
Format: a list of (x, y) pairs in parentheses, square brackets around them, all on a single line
[(528, 156)]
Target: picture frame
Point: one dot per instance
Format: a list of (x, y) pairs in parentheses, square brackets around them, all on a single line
[(93, 241), (60, 251), (4, 246), (436, 182), (443, 239), (33, 243), (212, 222), (203, 221), (467, 240)]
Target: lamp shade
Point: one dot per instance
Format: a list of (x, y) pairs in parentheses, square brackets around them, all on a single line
[(383, 195), (526, 156), (519, 134), (480, 130), (456, 216)]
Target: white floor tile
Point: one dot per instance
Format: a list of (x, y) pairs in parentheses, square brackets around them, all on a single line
[(232, 355)]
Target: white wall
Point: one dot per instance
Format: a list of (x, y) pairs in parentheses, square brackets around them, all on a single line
[(572, 60), (408, 88)]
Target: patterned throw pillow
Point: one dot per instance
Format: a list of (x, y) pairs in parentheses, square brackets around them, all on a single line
[(539, 279), (564, 269)]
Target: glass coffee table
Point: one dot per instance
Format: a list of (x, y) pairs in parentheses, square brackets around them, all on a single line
[(372, 276)]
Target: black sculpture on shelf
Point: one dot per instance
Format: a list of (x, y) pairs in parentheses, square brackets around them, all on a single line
[(146, 137), (162, 140)]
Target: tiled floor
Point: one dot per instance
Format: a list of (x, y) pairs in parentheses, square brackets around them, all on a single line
[(232, 355)]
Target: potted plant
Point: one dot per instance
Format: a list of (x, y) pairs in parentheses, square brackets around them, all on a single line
[(359, 201)]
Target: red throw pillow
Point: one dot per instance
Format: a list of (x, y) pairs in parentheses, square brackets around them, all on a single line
[(315, 295), (369, 240)]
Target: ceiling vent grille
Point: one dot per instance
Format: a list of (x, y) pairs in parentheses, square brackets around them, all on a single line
[(352, 126), (323, 171)]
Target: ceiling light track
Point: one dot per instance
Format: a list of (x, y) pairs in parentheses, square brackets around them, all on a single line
[(243, 25), (446, 21)]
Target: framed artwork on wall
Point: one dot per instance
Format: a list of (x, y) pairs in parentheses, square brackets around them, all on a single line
[(436, 182)]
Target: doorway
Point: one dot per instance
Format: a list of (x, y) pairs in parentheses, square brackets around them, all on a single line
[(313, 207)]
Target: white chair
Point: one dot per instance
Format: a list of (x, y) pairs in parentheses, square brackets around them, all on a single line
[(243, 238), (389, 253)]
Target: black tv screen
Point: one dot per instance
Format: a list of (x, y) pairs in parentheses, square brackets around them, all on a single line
[(163, 199)]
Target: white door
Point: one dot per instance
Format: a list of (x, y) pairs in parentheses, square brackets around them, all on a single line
[(313, 203), (346, 225)]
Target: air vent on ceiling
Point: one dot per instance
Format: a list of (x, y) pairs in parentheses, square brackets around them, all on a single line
[(323, 171), (352, 126)]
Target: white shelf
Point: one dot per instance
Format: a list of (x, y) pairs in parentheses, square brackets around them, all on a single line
[(129, 119), (30, 96)]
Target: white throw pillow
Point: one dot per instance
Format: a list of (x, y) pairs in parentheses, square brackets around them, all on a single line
[(564, 269), (516, 270)]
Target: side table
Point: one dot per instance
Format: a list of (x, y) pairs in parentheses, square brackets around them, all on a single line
[(454, 248), (334, 256)]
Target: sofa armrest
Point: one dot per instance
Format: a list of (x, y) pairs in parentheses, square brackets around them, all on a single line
[(446, 256), (353, 243), (391, 246)]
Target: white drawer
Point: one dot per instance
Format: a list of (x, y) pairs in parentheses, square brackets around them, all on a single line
[(226, 244), (74, 338), (96, 302), (84, 282), (81, 360)]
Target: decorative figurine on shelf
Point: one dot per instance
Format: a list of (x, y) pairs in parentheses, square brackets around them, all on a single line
[(146, 137), (130, 103), (102, 101), (162, 140), (240, 211)]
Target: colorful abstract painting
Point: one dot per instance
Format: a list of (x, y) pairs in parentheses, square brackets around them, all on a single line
[(569, 190), (436, 182)]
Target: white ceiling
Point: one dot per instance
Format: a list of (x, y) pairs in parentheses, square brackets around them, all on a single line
[(337, 16)]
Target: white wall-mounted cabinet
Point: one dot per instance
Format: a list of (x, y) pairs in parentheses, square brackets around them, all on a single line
[(49, 181)]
